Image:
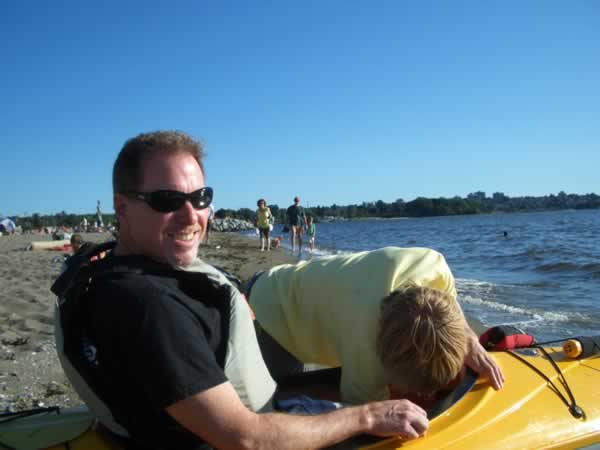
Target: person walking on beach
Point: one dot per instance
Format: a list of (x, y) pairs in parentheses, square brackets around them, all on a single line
[(296, 220), (99, 215), (311, 232), (209, 222), (164, 351), (263, 223), (373, 336)]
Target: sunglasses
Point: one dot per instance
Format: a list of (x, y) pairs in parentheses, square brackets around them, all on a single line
[(165, 201)]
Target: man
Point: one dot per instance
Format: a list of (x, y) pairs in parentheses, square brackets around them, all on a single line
[(296, 220), (99, 215), (332, 311), (161, 347)]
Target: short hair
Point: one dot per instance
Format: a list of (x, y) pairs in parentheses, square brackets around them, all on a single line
[(261, 200), (421, 339), (76, 239), (127, 171)]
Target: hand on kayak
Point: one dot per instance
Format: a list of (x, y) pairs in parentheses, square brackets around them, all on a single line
[(396, 418), (478, 359)]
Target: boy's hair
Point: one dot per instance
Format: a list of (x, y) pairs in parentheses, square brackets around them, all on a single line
[(128, 170), (309, 218), (421, 339), (76, 239), (261, 200)]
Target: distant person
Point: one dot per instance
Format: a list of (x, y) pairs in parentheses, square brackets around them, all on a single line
[(388, 317), (99, 215), (84, 224), (263, 223), (76, 242), (210, 222), (311, 232), (296, 220), (505, 233)]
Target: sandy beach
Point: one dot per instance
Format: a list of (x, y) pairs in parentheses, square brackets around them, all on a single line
[(30, 375)]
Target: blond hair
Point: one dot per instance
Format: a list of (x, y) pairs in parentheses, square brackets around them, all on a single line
[(421, 339)]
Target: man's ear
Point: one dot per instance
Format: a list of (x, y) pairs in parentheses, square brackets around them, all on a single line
[(120, 205)]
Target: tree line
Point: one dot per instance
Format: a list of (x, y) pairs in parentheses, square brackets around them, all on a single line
[(474, 203)]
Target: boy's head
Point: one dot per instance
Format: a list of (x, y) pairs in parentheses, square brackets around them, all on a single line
[(421, 339), (309, 219), (76, 242)]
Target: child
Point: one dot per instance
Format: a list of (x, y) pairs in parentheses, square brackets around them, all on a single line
[(263, 222), (311, 231)]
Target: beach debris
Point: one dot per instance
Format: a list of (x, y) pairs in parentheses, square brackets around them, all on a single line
[(6, 355), (12, 338), (54, 388)]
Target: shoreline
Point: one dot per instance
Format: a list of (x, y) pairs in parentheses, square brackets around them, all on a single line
[(30, 374)]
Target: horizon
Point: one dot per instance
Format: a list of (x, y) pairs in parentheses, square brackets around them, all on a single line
[(337, 103), (30, 214)]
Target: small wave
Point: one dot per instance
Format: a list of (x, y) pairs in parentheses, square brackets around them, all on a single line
[(543, 284), (592, 267), (467, 283), (535, 315), (464, 283), (557, 267)]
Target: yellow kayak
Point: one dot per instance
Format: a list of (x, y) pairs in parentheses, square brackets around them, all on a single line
[(532, 411), (542, 406)]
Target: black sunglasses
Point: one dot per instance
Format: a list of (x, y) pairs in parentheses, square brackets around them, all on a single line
[(168, 201)]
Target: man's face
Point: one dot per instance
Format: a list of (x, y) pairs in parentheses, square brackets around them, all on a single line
[(171, 237)]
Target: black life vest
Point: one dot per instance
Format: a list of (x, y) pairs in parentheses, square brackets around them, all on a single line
[(85, 268)]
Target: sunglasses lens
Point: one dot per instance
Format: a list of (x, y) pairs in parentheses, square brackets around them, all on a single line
[(201, 198), (169, 201), (166, 201)]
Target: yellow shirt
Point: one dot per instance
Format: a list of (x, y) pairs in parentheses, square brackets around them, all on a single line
[(262, 217), (325, 310)]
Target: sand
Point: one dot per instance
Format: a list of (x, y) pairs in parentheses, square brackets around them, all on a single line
[(30, 375)]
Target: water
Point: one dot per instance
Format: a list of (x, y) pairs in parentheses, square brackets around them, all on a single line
[(543, 277)]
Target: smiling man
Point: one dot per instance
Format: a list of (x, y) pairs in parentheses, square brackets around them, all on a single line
[(155, 216), (162, 347)]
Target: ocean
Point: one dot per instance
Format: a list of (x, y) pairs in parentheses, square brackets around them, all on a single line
[(543, 276)]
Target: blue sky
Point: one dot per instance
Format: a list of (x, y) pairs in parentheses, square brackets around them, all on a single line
[(336, 101)]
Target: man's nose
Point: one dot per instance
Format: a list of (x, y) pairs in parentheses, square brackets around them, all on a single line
[(187, 213)]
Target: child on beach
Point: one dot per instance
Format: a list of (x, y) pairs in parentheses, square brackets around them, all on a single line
[(311, 231), (263, 222)]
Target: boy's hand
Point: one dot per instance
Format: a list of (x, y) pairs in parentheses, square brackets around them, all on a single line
[(478, 359)]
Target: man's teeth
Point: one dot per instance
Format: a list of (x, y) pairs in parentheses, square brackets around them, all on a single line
[(184, 236)]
